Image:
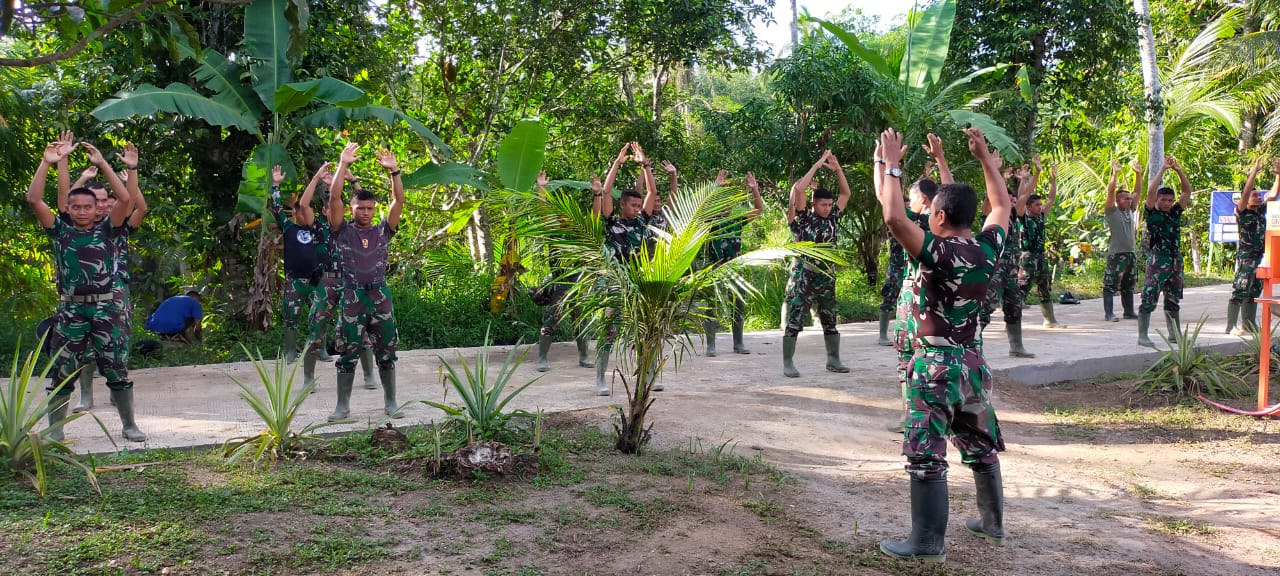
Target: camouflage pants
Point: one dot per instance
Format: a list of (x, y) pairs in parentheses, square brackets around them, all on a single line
[(1003, 288), (297, 293), (893, 277), (807, 288), (1121, 273), (324, 300), (948, 395), (366, 313), (553, 313), (84, 330), (901, 331), (1164, 274), (1246, 286), (1035, 270)]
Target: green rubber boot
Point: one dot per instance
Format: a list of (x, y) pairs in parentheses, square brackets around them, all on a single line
[(832, 342), (710, 327), (86, 390), (544, 346), (1144, 323), (346, 381), (584, 353), (1014, 331), (388, 378), (367, 364), (124, 405), (602, 368), (990, 495), (928, 539), (58, 413), (1050, 321), (884, 328), (289, 345), (788, 355), (1173, 325), (309, 359), (1233, 315), (739, 347), (1249, 316), (1109, 307)]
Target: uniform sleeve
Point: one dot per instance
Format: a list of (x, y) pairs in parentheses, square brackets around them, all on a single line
[(992, 237), (836, 213), (388, 230), (800, 222), (54, 230), (932, 251), (1177, 211)]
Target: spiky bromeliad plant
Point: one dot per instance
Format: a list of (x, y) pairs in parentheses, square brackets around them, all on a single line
[(1186, 371), (482, 398), (25, 446), (277, 410), (654, 300)]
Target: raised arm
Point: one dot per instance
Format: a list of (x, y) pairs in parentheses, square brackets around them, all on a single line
[(337, 212), (606, 202), (67, 141), (303, 214), (124, 202), (935, 151), (800, 189), (841, 182), (646, 175), (1185, 198), (1111, 186), (997, 193), (1275, 187), (889, 193), (597, 197), (1137, 180), (877, 170), (674, 178), (1248, 191), (130, 159), (1155, 183), (757, 203), (1053, 188), (389, 163), (722, 177), (35, 192), (542, 184), (1026, 187)]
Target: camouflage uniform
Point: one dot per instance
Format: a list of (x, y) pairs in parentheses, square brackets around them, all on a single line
[(812, 283), (725, 245), (1253, 226), (90, 320), (552, 313), (904, 324), (623, 240), (367, 309), (1164, 261), (328, 294), (1003, 287), (949, 383), (1035, 267), (302, 282)]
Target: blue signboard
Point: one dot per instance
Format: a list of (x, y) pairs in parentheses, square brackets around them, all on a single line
[(1222, 217)]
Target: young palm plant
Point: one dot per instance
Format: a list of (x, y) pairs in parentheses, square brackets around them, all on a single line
[(25, 446), (277, 410), (654, 300)]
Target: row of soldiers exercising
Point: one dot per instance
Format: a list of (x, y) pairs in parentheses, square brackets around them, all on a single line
[(1251, 221), (90, 236)]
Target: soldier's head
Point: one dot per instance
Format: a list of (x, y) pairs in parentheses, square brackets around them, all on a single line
[(363, 205), (822, 202), (1035, 205), (921, 194), (1124, 200), (82, 206), (104, 200), (952, 210), (630, 204), (1255, 199), (1164, 199)]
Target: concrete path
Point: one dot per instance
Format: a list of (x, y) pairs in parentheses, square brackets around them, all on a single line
[(200, 405)]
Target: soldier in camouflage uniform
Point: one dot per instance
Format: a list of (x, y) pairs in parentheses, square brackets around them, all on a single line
[(725, 245), (561, 278), (1035, 265), (1122, 260), (813, 284), (920, 199), (89, 316), (1003, 287), (367, 309), (1251, 220), (949, 380), (1164, 261), (891, 295), (626, 230)]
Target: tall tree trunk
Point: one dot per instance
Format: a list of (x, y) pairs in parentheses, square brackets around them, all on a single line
[(266, 282), (1152, 91), (795, 27), (479, 239)]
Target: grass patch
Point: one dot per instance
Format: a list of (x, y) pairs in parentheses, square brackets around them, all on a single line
[(1179, 526), (1195, 423)]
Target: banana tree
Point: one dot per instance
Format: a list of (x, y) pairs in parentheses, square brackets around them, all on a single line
[(915, 98), (273, 107)]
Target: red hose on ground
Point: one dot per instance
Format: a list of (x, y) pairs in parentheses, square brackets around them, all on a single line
[(1265, 413)]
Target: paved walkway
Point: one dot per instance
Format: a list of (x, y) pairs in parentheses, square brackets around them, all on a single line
[(200, 405)]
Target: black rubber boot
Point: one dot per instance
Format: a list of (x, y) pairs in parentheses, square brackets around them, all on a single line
[(788, 356), (544, 346), (1109, 308), (388, 378), (1249, 316), (1173, 325), (309, 359), (602, 368), (124, 405), (1144, 324), (927, 541), (1233, 315), (884, 328), (346, 381), (367, 363), (710, 327), (1014, 331), (738, 346), (290, 345), (57, 413), (584, 353), (86, 390), (990, 493), (832, 342), (1126, 301)]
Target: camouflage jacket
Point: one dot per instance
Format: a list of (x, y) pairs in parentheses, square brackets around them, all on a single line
[(726, 240), (1033, 236), (1164, 230), (85, 259), (809, 227), (1253, 230), (623, 238), (952, 285)]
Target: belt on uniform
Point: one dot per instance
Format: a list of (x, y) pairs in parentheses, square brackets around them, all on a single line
[(366, 287), (926, 342), (86, 298), (332, 275)]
